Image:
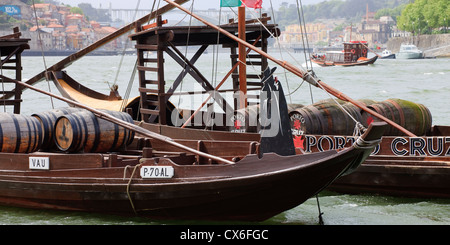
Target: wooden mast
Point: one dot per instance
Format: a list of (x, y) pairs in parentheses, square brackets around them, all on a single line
[(242, 59), (296, 71)]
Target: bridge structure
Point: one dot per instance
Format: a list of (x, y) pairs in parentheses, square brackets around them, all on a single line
[(213, 15)]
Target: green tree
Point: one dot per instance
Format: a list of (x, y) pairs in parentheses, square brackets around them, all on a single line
[(424, 15), (76, 10)]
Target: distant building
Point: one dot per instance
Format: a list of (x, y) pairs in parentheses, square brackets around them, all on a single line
[(294, 34), (41, 38)]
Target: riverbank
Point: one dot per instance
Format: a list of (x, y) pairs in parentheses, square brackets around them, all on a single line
[(437, 45)]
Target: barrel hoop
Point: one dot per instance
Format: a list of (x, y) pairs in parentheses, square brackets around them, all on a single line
[(82, 124), (46, 121), (116, 136), (400, 110), (129, 133), (29, 135), (96, 132), (18, 138), (76, 127), (38, 139), (45, 124)]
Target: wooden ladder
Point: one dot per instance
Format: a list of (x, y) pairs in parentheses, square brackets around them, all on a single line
[(151, 79), (12, 61)]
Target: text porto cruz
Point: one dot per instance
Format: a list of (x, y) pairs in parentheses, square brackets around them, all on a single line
[(399, 146)]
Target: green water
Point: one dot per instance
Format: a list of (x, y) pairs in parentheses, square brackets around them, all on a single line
[(422, 81)]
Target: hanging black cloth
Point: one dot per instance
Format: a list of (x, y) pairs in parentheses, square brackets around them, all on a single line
[(275, 130)]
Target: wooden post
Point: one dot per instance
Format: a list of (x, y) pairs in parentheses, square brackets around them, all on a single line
[(242, 59)]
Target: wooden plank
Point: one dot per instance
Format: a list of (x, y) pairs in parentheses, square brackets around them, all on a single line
[(148, 90), (146, 47), (146, 68), (56, 160), (148, 111)]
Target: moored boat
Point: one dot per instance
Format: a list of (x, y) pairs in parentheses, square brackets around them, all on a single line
[(387, 54), (150, 174), (406, 166), (409, 51), (353, 54)]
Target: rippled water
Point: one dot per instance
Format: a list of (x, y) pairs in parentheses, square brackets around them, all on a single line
[(424, 81)]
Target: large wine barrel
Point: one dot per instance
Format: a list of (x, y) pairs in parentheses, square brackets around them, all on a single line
[(47, 120), (19, 133), (326, 117), (83, 131), (414, 117)]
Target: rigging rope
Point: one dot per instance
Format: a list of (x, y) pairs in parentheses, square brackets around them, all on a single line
[(185, 54), (281, 54), (123, 51), (304, 33)]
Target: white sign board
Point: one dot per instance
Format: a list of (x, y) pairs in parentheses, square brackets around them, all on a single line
[(39, 163), (158, 172)]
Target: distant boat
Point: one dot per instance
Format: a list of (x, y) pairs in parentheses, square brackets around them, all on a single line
[(387, 54), (409, 51), (354, 53)]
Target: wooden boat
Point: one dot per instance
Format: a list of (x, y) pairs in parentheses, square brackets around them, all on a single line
[(407, 166), (149, 174), (354, 54)]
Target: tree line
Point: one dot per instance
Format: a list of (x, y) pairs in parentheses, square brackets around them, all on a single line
[(351, 10), (425, 17)]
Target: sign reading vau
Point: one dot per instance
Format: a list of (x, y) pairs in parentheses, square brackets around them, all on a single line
[(39, 163)]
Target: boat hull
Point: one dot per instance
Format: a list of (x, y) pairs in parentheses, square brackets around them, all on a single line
[(332, 63), (391, 56), (417, 167), (405, 55), (398, 176), (217, 194), (253, 189)]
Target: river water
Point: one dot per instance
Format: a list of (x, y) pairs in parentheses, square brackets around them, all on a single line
[(425, 81)]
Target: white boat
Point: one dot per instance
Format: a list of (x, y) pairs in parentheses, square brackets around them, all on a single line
[(409, 51), (387, 54)]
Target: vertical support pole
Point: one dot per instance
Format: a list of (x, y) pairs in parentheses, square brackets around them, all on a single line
[(161, 82), (242, 59), (18, 90)]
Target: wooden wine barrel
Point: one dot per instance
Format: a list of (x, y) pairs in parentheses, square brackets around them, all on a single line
[(414, 117), (19, 133), (83, 131), (47, 120), (245, 120), (326, 117)]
